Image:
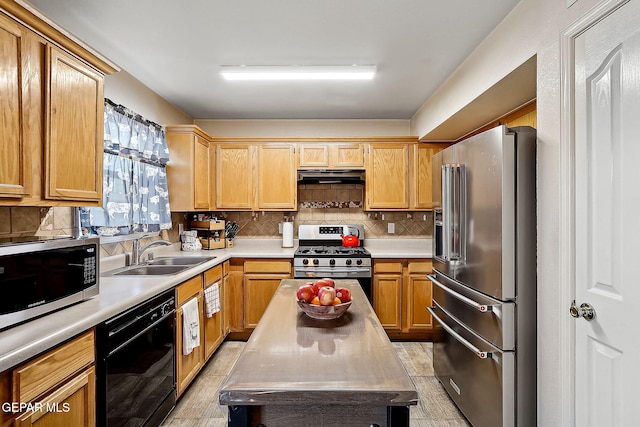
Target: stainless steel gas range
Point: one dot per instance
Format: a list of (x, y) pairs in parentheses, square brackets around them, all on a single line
[(320, 254)]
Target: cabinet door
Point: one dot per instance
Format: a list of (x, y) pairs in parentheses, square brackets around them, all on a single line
[(422, 171), (213, 326), (387, 176), (15, 166), (71, 405), (258, 291), (387, 300), (212, 176), (187, 366), (418, 299), (313, 156), (277, 185), (347, 156), (200, 173), (234, 177), (73, 130), (234, 301)]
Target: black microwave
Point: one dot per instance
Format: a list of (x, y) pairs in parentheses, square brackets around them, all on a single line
[(40, 275)]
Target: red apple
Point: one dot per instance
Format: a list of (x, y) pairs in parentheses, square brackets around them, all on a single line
[(326, 295), (305, 293), (344, 294), (330, 281), (320, 283)]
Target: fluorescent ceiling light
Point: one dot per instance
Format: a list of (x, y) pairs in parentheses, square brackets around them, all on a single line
[(298, 72)]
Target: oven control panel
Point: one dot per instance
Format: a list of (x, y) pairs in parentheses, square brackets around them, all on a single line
[(331, 229)]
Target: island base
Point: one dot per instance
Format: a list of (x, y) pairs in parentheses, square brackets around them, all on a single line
[(314, 415)]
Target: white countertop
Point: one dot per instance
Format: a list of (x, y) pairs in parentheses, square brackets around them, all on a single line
[(119, 293)]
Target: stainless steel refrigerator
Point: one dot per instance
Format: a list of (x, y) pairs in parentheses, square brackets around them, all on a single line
[(484, 276)]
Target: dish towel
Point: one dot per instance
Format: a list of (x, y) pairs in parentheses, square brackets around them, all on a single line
[(212, 300), (190, 326)]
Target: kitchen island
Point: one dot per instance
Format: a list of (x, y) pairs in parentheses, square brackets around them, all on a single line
[(298, 371)]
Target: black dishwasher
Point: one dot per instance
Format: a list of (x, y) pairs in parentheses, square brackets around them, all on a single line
[(136, 364)]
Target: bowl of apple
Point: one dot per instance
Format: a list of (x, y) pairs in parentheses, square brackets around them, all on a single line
[(322, 300)]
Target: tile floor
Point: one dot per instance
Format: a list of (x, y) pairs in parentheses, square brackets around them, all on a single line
[(199, 406)]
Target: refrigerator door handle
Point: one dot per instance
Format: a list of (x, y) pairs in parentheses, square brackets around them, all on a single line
[(453, 211), (479, 353), (484, 308)]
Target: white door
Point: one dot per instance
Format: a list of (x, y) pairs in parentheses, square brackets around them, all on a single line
[(607, 219)]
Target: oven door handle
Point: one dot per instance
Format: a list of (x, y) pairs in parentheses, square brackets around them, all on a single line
[(481, 354), (484, 308), (133, 338), (334, 270)]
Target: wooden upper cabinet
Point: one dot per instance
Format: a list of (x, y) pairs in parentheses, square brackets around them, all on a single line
[(73, 129), (188, 168), (51, 103), (387, 182), (234, 176), (347, 156), (15, 157), (277, 186), (330, 156), (422, 192)]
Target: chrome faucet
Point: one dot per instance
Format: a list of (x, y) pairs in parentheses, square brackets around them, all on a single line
[(137, 251)]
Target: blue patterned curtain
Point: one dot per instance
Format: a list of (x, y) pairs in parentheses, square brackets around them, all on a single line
[(135, 192)]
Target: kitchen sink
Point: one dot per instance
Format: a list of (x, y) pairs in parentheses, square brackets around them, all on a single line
[(160, 266), (180, 260), (150, 270)]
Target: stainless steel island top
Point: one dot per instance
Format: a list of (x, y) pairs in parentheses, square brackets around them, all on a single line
[(293, 361)]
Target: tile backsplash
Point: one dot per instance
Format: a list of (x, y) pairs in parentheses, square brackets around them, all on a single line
[(334, 203), (317, 204)]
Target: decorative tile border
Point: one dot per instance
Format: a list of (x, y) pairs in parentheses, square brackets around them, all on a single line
[(332, 204)]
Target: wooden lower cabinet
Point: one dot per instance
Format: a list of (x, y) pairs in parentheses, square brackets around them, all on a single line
[(261, 279), (60, 386), (213, 326), (234, 296), (401, 293), (73, 404), (212, 329), (188, 365)]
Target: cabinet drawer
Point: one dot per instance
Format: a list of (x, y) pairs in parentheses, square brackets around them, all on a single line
[(265, 266), (213, 275), (416, 267), (387, 267), (36, 377), (188, 289)]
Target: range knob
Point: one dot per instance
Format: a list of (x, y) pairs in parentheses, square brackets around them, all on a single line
[(316, 261), (305, 261), (332, 261), (166, 309), (359, 262), (348, 262)]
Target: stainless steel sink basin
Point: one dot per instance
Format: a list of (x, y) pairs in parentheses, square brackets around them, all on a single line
[(150, 270), (180, 260), (160, 266)]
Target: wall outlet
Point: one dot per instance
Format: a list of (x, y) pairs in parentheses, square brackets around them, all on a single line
[(280, 227), (391, 228)]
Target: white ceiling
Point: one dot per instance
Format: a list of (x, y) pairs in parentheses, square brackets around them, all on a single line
[(176, 49)]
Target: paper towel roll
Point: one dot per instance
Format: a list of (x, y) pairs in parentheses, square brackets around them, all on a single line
[(287, 234)]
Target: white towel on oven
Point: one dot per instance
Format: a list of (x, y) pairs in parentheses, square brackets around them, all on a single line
[(190, 326), (212, 299)]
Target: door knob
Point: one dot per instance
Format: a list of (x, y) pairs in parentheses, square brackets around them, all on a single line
[(585, 310)]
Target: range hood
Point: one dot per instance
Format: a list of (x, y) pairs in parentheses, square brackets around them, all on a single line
[(323, 176)]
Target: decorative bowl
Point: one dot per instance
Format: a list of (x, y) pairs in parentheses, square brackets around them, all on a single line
[(324, 312)]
